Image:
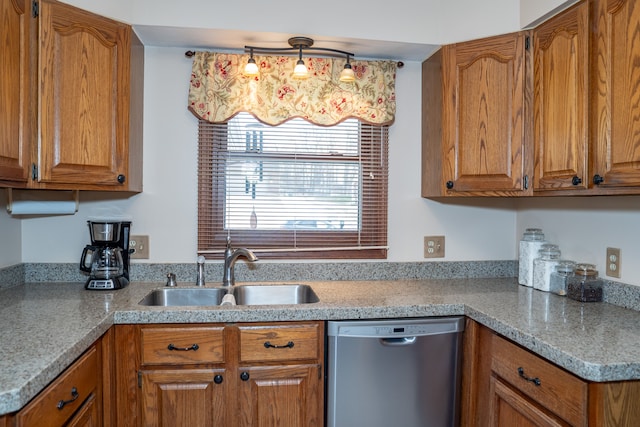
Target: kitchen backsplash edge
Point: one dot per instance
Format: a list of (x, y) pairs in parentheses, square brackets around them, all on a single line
[(616, 293)]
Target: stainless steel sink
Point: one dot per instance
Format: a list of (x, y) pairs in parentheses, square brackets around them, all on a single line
[(184, 297), (244, 295), (274, 294)]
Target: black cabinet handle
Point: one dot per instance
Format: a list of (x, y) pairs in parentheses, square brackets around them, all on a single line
[(218, 379), (535, 380), (74, 395), (194, 347), (244, 376), (267, 344), (449, 185), (576, 180), (121, 178), (597, 179)]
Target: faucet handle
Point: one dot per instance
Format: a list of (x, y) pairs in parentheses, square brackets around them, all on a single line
[(171, 280)]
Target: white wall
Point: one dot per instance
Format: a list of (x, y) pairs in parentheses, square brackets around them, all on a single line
[(10, 236), (166, 210), (585, 227), (414, 21), (481, 229), (533, 11)]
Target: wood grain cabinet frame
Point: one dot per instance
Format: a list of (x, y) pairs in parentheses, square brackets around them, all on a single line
[(505, 385), (248, 374), (72, 108)]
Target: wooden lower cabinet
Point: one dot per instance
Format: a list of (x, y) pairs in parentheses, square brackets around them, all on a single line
[(258, 374), (183, 397), (506, 385), (281, 396), (74, 399)]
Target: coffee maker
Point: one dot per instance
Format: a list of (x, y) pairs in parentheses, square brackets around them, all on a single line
[(106, 259)]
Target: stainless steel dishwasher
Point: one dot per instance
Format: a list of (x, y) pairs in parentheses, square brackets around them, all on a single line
[(394, 373)]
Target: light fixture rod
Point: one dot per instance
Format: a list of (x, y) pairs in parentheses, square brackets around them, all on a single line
[(298, 44)]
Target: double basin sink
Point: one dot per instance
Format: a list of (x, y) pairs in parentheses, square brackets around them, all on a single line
[(243, 294)]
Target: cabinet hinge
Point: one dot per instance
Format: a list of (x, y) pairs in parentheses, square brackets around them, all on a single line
[(527, 42), (34, 172), (319, 372), (34, 9), (139, 379)]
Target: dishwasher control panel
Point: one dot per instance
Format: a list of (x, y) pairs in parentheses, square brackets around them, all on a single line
[(393, 328)]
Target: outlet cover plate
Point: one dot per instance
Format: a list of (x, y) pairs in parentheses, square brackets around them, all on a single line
[(139, 245), (613, 262), (434, 246)]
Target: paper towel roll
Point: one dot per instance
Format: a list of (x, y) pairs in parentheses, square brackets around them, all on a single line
[(40, 207), (228, 299)]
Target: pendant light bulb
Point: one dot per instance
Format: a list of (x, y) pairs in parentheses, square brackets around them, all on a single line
[(347, 75), (251, 69), (300, 71)]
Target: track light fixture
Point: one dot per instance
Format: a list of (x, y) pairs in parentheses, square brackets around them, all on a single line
[(300, 71)]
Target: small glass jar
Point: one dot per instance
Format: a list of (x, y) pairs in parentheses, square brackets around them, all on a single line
[(532, 241), (544, 265), (585, 285), (560, 277)]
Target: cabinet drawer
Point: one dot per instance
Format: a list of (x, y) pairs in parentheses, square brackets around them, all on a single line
[(279, 343), (555, 389), (162, 346), (58, 402)]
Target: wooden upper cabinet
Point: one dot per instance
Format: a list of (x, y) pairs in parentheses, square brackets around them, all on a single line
[(85, 68), (71, 99), (616, 98), (561, 99), (15, 93), (478, 93)]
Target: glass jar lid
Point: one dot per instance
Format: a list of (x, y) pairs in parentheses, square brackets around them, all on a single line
[(565, 266), (533, 234), (584, 269), (549, 251)]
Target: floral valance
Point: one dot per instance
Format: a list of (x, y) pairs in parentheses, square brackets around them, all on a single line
[(219, 90)]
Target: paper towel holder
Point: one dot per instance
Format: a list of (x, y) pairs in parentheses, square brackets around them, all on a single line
[(75, 199)]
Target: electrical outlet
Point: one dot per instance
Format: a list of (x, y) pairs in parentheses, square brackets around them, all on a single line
[(613, 262), (139, 247), (434, 246)]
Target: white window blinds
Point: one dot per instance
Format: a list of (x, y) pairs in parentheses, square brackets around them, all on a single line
[(318, 192)]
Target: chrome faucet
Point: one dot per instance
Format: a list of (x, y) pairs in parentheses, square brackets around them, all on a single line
[(230, 258)]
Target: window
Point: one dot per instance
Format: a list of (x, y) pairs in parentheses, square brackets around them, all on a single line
[(295, 189)]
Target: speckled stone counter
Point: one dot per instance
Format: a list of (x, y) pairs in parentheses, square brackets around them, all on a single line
[(47, 326)]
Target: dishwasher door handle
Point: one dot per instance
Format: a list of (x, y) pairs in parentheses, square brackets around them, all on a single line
[(398, 341)]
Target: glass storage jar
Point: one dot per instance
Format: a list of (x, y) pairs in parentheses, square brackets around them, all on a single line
[(585, 285), (544, 265), (560, 277), (532, 241)]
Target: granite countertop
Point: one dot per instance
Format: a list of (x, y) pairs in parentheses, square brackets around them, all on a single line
[(47, 326)]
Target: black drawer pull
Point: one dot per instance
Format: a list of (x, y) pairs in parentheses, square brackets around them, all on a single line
[(193, 347), (535, 380), (267, 344), (74, 396)]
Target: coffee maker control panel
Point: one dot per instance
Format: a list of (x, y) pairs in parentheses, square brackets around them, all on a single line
[(101, 284)]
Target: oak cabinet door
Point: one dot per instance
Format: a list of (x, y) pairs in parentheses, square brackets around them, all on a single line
[(561, 96), (183, 397), (15, 84), (484, 115), (84, 74), (509, 408), (616, 104), (282, 396)]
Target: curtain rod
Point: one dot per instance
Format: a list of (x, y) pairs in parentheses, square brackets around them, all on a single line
[(190, 53)]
